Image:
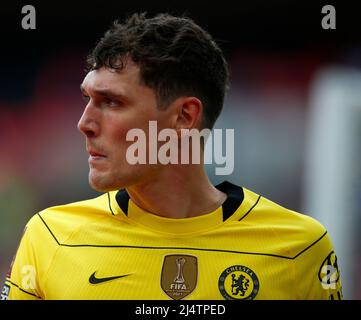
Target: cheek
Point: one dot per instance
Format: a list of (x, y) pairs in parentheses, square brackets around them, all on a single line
[(118, 144), (114, 139), (118, 124), (121, 133)]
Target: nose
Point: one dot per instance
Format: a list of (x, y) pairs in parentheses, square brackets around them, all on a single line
[(89, 122)]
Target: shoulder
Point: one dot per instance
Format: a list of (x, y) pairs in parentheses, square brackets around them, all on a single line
[(61, 221), (279, 217), (289, 233)]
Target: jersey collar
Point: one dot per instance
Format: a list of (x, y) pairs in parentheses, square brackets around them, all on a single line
[(121, 203)]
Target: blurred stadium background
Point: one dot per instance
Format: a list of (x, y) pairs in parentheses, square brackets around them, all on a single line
[(294, 102)]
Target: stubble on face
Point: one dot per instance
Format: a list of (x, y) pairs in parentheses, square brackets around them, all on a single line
[(114, 172)]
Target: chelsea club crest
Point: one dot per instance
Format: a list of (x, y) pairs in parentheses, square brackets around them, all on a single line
[(238, 283)]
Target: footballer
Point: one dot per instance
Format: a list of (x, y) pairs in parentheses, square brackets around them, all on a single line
[(163, 231)]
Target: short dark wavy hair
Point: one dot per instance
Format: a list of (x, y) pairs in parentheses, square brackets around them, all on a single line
[(175, 56)]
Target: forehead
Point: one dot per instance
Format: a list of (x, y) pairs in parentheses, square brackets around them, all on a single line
[(111, 79)]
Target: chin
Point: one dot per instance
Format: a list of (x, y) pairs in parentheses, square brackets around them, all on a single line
[(97, 187), (116, 180), (104, 184), (99, 184)]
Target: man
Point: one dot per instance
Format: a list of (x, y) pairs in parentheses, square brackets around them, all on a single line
[(164, 231)]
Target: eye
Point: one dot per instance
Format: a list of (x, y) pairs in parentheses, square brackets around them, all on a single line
[(112, 103)]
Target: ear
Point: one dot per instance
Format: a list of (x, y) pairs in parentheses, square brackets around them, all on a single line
[(189, 115)]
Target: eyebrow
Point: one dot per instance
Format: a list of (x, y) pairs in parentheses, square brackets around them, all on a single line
[(104, 92)]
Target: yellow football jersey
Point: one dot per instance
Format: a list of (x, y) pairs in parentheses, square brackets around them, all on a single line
[(109, 248)]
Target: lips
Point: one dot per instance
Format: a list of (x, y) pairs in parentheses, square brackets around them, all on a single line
[(96, 154), (96, 158)]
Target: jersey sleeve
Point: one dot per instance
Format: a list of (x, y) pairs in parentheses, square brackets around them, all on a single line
[(25, 278), (317, 271)]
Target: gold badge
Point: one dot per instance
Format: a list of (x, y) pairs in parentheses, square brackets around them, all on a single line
[(179, 275)]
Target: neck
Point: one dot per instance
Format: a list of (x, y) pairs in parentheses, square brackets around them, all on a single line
[(180, 193)]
